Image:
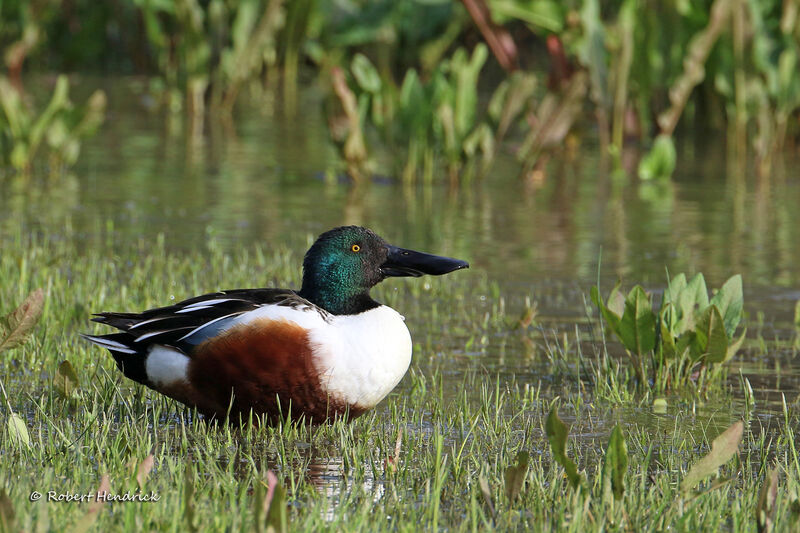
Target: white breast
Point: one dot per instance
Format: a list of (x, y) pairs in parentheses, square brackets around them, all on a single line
[(362, 357)]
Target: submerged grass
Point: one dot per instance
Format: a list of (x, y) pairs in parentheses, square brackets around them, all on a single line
[(435, 455)]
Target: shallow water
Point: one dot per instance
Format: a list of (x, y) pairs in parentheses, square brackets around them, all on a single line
[(262, 180)]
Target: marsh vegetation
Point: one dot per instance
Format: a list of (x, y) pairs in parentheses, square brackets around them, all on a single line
[(601, 165)]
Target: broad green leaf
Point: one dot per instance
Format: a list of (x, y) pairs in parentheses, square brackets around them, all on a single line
[(660, 161), (638, 325), (660, 405), (676, 285), (723, 448), (545, 14), (66, 380), (711, 335), (365, 73), (16, 327), (514, 475), (734, 346), (729, 300), (557, 435), (615, 464), (611, 318), (668, 348), (17, 430), (691, 301), (616, 301), (765, 508), (696, 288)]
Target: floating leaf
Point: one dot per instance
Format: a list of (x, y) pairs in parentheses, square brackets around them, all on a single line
[(66, 380), (515, 475), (660, 161), (723, 448), (765, 509), (660, 405), (16, 327), (557, 435), (17, 430), (615, 463)]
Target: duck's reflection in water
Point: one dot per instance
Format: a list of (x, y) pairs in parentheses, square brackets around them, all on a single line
[(332, 479)]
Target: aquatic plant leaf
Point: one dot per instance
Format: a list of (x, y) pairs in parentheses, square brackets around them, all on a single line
[(593, 53), (466, 73), (668, 348), (687, 341), (7, 515), (734, 346), (659, 162), (615, 464), (660, 405), (514, 475), (365, 73), (723, 448), (511, 98), (17, 430), (16, 327), (66, 380), (637, 326), (616, 300), (697, 292), (730, 301), (557, 435), (275, 502), (765, 508), (87, 521), (538, 14), (710, 335), (675, 287), (691, 300), (612, 313)]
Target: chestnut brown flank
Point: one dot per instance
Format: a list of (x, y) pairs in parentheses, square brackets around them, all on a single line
[(265, 365)]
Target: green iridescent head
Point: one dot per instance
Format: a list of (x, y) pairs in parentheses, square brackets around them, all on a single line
[(346, 262)]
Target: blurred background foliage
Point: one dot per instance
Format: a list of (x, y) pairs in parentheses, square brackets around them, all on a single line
[(439, 84)]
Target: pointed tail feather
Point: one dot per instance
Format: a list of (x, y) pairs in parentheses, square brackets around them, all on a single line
[(129, 360)]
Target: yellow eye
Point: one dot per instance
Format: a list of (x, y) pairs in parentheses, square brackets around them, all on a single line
[(355, 248)]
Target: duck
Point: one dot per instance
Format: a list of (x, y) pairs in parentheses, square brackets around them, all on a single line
[(324, 352)]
